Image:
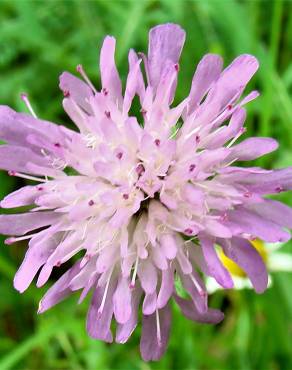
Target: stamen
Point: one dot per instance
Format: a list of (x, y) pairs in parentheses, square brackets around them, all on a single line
[(90, 141), (199, 289), (231, 162), (193, 132), (104, 295), (26, 101), (132, 284), (12, 239), (240, 132), (27, 177), (158, 329), (173, 135), (85, 77)]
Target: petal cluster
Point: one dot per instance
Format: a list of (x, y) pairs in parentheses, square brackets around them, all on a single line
[(143, 202)]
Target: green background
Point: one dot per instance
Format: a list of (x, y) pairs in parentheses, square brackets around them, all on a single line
[(38, 40)]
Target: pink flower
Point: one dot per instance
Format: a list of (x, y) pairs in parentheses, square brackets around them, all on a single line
[(146, 199)]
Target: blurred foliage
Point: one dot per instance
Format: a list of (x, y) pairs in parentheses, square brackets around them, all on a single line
[(40, 39)]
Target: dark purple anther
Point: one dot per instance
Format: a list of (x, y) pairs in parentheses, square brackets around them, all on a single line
[(140, 169), (192, 167), (157, 142), (104, 91)]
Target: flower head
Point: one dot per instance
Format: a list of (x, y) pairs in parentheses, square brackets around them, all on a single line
[(143, 201)]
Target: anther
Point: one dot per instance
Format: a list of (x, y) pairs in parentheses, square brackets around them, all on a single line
[(229, 106), (91, 202), (119, 155), (140, 169), (192, 167), (126, 196), (188, 231), (108, 114), (104, 91), (157, 142), (176, 67), (66, 93)]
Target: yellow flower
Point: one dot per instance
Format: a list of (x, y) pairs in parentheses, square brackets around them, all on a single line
[(233, 267)]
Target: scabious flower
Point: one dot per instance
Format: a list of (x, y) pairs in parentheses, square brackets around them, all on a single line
[(141, 203)]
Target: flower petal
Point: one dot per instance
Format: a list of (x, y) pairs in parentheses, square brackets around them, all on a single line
[(99, 319), (252, 148), (78, 90), (244, 221), (190, 311), (246, 256), (108, 72), (124, 331), (207, 72), (19, 224), (215, 267), (60, 290), (155, 334), (165, 43), (122, 301)]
